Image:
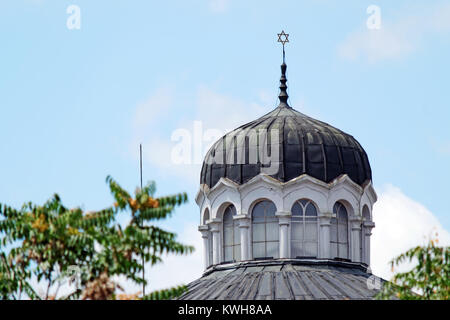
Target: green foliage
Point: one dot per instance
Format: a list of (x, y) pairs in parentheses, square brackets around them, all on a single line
[(56, 244), (166, 294), (428, 280)]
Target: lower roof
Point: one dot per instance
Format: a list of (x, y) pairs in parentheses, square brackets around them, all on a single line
[(284, 279)]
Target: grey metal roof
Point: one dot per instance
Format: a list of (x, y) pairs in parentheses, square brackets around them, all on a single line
[(283, 280), (307, 146)]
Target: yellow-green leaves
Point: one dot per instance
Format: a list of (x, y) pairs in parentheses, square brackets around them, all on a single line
[(428, 280), (49, 241)]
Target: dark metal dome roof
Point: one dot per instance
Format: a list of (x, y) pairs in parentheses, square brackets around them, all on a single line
[(307, 146), (285, 280)]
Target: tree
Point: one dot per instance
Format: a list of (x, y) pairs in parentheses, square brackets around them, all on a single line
[(428, 280), (60, 245)]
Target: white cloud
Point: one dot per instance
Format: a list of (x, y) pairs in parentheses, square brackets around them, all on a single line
[(155, 107), (396, 39), (377, 44), (218, 6), (441, 146), (401, 223), (440, 19), (211, 107), (150, 123), (178, 270)]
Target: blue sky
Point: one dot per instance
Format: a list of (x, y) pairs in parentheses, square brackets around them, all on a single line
[(75, 104)]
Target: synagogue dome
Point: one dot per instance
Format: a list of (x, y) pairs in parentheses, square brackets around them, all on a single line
[(304, 146), (286, 207)]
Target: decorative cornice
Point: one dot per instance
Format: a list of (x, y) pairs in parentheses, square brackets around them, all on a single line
[(341, 181)]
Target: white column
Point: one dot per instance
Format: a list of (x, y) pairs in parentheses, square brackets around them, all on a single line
[(215, 229), (244, 225), (205, 236), (284, 220), (324, 236), (355, 238), (368, 226)]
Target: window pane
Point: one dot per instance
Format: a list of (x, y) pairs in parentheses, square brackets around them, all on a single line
[(273, 249), (342, 215), (336, 207), (206, 216), (361, 245), (297, 231), (311, 231), (304, 202), (228, 251), (342, 232), (366, 213), (258, 212), (311, 210), (270, 209), (258, 250), (311, 249), (343, 251), (228, 235), (210, 249), (296, 248), (228, 216), (297, 210), (272, 231), (333, 230), (333, 250), (258, 232)]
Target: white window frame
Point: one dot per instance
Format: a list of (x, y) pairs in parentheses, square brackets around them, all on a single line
[(235, 246), (335, 222), (271, 219), (303, 219)]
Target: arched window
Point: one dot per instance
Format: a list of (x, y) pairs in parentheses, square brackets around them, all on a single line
[(265, 239), (304, 229), (210, 245), (231, 236), (205, 216), (339, 232), (366, 217)]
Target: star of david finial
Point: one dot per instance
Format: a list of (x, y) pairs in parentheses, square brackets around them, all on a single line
[(283, 38)]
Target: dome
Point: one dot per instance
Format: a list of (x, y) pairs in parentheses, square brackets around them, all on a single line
[(285, 280), (286, 206), (305, 146)]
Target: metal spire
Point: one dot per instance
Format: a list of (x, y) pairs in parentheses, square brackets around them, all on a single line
[(283, 96)]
